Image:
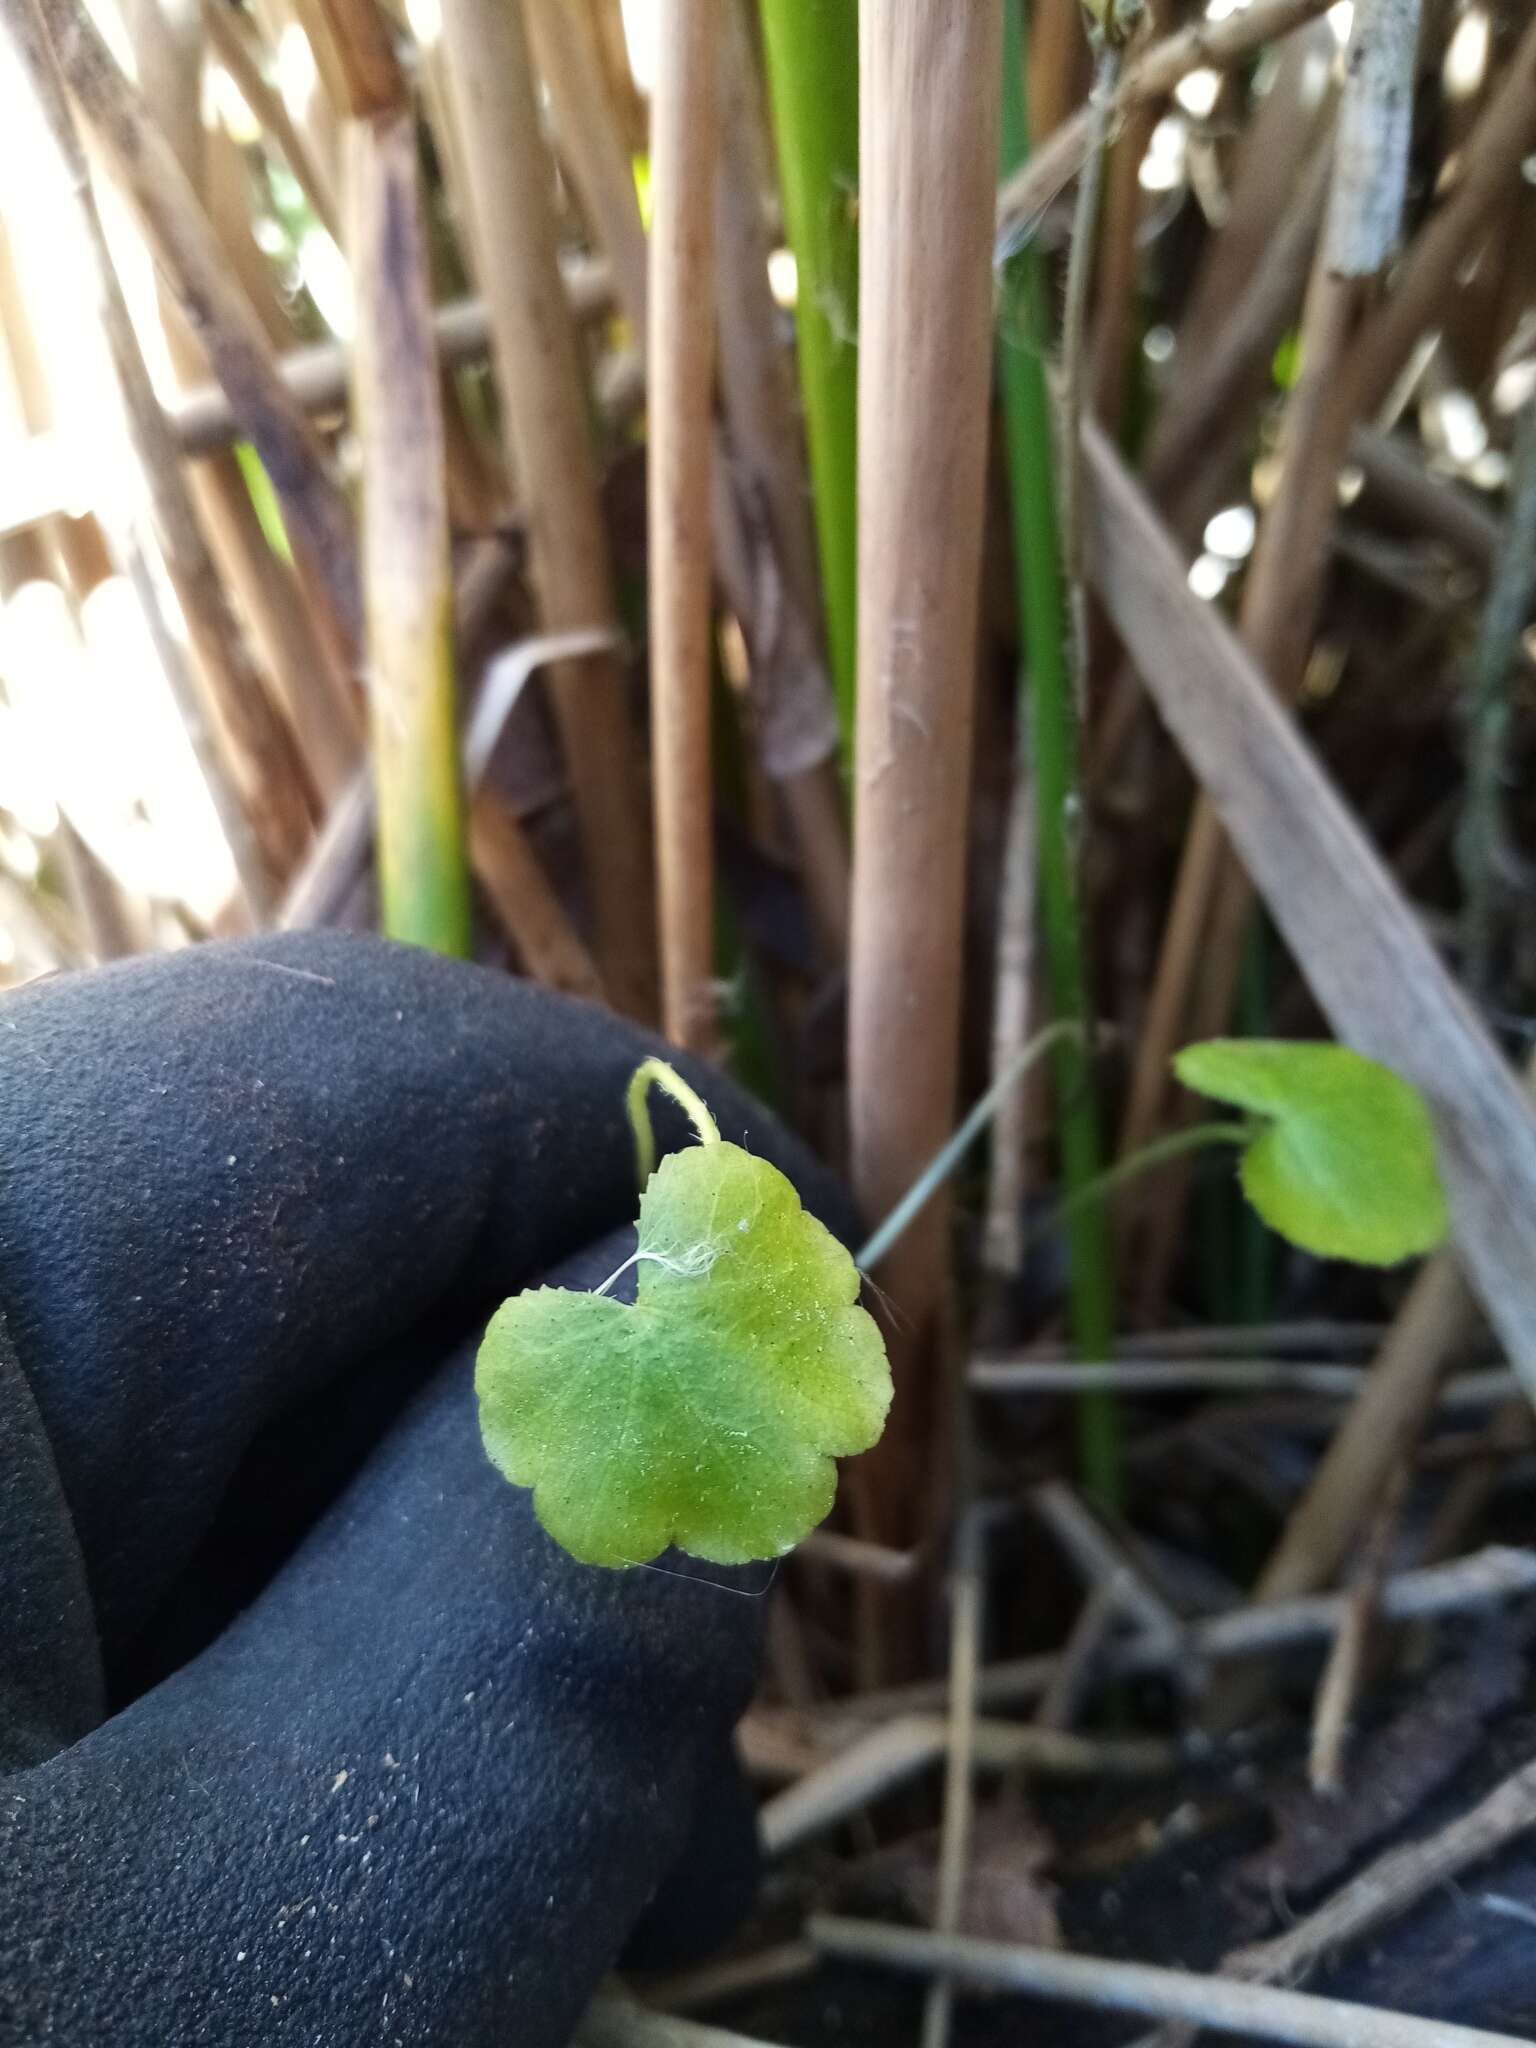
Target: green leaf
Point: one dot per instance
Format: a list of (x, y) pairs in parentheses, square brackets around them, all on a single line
[(1345, 1163), (708, 1414)]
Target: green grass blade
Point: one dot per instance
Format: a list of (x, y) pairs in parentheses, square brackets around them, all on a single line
[(1048, 706)]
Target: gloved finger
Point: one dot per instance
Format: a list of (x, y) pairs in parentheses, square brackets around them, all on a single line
[(233, 1172), (419, 1791)]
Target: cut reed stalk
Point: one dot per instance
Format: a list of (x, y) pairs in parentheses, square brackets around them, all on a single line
[(928, 80), (680, 352), (494, 98), (813, 76), (407, 577), (1049, 709)]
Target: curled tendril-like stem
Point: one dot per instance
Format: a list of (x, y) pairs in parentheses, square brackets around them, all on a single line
[(655, 1073)]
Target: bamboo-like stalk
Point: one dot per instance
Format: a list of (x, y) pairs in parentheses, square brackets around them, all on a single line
[(928, 78), (813, 78), (407, 581), (1049, 709), (407, 576), (680, 351), (538, 367)]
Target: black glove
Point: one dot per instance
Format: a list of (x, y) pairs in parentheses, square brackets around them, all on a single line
[(311, 1735)]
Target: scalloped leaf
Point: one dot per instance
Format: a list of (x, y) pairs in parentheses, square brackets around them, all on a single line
[(707, 1414), (1345, 1164)]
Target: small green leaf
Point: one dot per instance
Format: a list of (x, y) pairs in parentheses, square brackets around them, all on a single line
[(708, 1414), (1345, 1164)]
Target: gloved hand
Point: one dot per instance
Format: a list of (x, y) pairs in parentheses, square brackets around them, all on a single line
[(308, 1733)]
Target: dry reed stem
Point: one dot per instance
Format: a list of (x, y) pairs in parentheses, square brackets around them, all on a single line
[(1283, 578), (494, 99), (1145, 1375), (1227, 370), (527, 906), (193, 263), (316, 693), (254, 777), (754, 387), (1363, 951), (506, 866), (929, 90), (228, 202), (1283, 590), (1485, 1578), (316, 374), (1056, 66), (261, 736), (734, 1976), (1296, 2017), (680, 352), (618, 2021), (423, 877), (355, 55), (1152, 76), (588, 142), (1281, 596), (237, 44), (967, 1599), (1349, 1656), (1077, 1667), (1003, 1231), (899, 1750), (1392, 1884), (1365, 207), (1119, 256), (1246, 293), (1385, 1418)]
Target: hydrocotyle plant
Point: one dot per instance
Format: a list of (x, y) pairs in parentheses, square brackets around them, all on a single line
[(1338, 1151), (707, 1414)]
